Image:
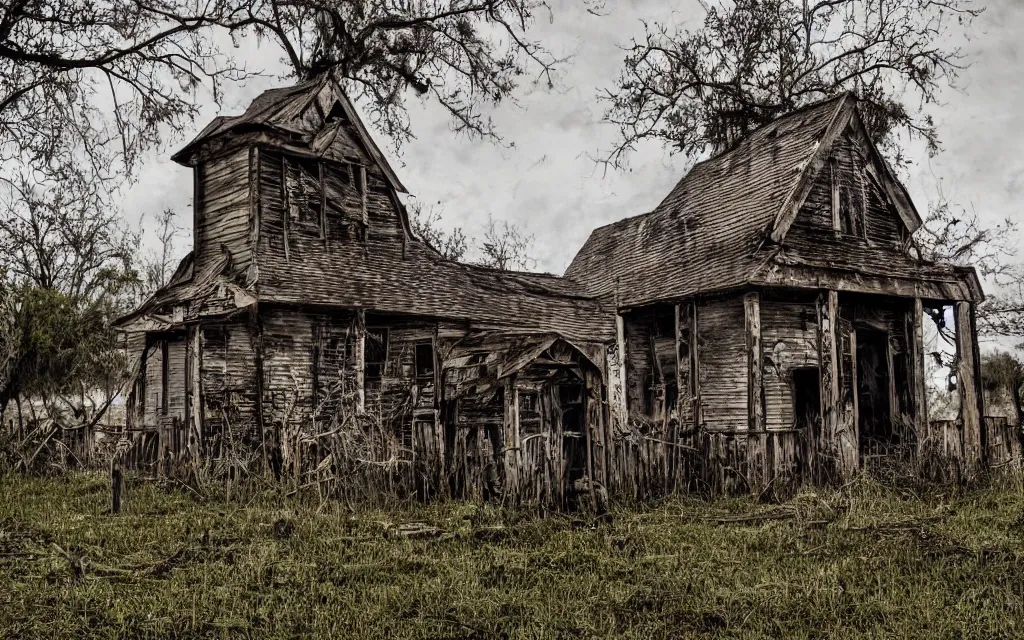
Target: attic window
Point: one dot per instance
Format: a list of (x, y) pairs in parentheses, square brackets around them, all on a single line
[(847, 199), (303, 193)]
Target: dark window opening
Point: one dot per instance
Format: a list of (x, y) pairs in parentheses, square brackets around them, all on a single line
[(303, 192), (375, 354), (425, 362), (847, 198), (529, 412), (807, 398)]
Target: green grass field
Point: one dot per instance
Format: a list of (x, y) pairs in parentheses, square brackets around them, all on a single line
[(864, 561)]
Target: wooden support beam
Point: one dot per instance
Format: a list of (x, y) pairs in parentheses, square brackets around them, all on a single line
[(617, 387), (360, 358), (254, 199), (511, 445), (919, 395), (286, 221), (698, 411), (967, 382), (755, 382), (980, 391), (363, 213), (838, 446), (194, 390), (684, 374)]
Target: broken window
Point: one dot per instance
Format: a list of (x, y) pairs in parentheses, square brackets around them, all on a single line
[(529, 412), (806, 398), (847, 197), (425, 363), (303, 193), (375, 354)]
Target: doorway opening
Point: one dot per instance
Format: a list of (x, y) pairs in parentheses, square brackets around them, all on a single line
[(874, 411), (574, 442)]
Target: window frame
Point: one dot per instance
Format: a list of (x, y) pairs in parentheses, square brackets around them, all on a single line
[(382, 363)]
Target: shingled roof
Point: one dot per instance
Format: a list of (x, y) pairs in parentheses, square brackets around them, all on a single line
[(705, 234), (723, 225), (282, 112)]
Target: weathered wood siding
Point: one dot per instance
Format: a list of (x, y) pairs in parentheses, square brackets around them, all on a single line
[(722, 363), (844, 180), (651, 362), (176, 378), (154, 393), (222, 210), (789, 341), (229, 387)]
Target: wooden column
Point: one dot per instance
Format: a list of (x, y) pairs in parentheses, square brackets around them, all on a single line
[(194, 390), (698, 414), (684, 377), (622, 402), (967, 379), (360, 348), (511, 446), (595, 427), (919, 395), (755, 382), (838, 445)]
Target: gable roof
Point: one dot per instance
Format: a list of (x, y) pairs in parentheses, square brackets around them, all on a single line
[(297, 113), (704, 234), (710, 233)]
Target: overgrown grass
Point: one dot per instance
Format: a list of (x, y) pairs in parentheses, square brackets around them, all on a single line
[(865, 561)]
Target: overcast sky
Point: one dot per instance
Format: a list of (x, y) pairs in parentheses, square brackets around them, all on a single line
[(548, 182)]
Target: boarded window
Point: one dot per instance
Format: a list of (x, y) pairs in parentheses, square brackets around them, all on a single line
[(375, 354), (303, 193)]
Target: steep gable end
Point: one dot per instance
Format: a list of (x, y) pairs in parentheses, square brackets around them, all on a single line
[(849, 188), (313, 118)]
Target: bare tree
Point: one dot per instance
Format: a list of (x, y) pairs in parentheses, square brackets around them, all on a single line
[(953, 234), (158, 266), (426, 224), (506, 246), (755, 60), (502, 246), (100, 82)]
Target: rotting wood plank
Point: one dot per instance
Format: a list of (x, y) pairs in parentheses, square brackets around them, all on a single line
[(360, 360), (755, 386), (194, 386), (967, 385), (838, 447), (920, 395)]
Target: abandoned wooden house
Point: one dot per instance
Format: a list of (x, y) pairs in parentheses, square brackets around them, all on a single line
[(308, 307), (770, 309), (765, 320)]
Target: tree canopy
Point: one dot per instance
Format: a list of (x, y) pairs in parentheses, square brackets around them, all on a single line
[(754, 60)]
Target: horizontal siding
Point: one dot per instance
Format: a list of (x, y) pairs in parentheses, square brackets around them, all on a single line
[(789, 339), (222, 215), (722, 370)]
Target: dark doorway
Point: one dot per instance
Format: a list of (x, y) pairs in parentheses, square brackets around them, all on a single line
[(574, 442), (873, 408), (807, 399)]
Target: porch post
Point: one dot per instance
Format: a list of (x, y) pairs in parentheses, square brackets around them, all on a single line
[(968, 378), (920, 396), (838, 441), (755, 382)]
